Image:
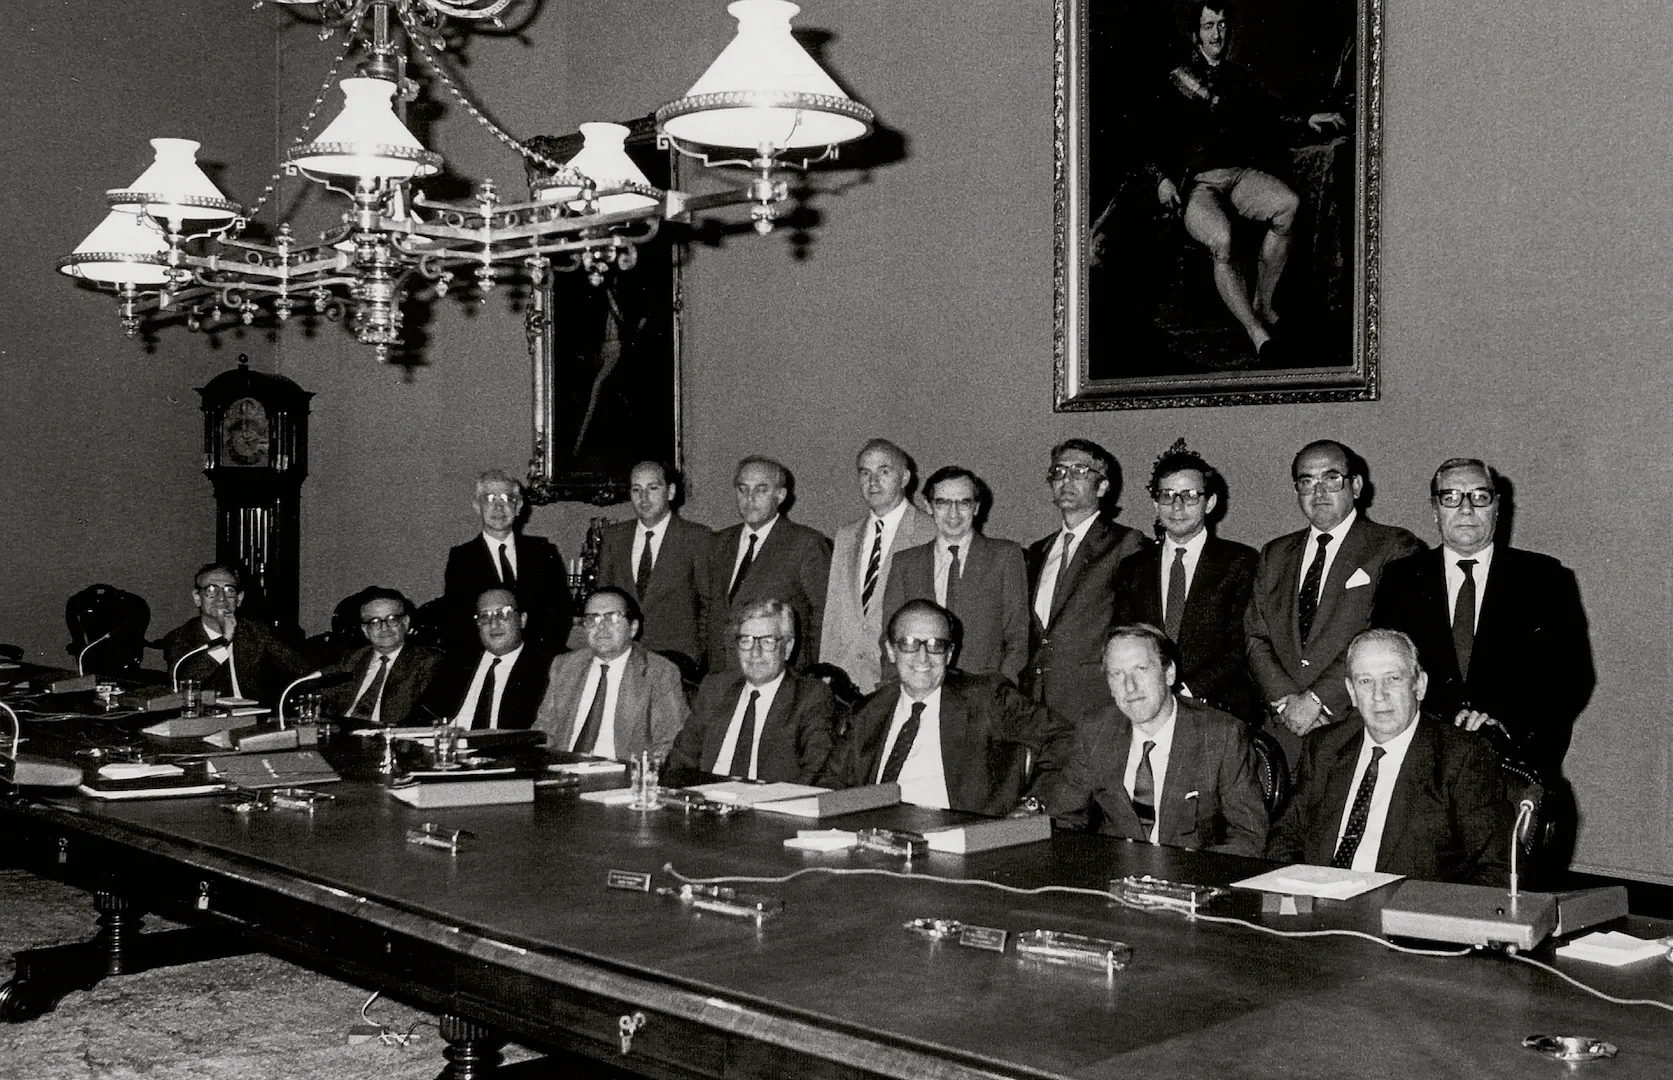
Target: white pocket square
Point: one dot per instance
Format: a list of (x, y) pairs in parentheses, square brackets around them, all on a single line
[(1192, 794), (1360, 577)]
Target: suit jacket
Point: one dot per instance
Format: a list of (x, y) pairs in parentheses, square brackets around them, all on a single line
[(674, 598), (992, 602), (1449, 818), (796, 733), (265, 663), (1279, 663), (1531, 663), (650, 703), (1211, 796), (525, 686), (1213, 663), (792, 565), (1066, 659), (984, 721), (849, 634), (409, 676), (542, 590)]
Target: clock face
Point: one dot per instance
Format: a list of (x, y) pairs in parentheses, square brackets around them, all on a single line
[(244, 433)]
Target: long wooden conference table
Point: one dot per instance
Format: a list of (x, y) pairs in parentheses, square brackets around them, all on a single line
[(519, 935)]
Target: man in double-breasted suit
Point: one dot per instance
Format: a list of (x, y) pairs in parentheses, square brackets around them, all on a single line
[(1314, 591), (503, 557), (863, 561), (663, 560)]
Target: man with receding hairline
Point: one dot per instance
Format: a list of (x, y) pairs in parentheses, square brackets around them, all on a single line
[(498, 685), (503, 557), (663, 560)]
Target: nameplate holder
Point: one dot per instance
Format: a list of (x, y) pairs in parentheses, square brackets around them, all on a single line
[(630, 880), (447, 839), (75, 685), (989, 938)]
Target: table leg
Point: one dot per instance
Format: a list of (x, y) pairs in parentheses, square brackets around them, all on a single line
[(472, 1051)]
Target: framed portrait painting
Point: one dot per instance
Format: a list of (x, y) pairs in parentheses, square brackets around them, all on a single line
[(1217, 202)]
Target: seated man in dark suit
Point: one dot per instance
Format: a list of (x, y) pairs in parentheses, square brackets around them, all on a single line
[(663, 560), (1391, 790), (501, 684), (388, 676), (767, 723), (1485, 617), (232, 656), (502, 557), (614, 698), (1159, 768), (1194, 585), (766, 557), (983, 582), (950, 740)]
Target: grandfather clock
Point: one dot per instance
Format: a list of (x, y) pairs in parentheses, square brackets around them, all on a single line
[(255, 453)]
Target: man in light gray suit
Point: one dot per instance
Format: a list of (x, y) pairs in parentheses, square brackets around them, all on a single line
[(861, 561)]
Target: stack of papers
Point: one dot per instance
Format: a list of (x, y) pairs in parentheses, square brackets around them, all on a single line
[(823, 840), (746, 793), (1322, 881), (588, 768), (1613, 948)]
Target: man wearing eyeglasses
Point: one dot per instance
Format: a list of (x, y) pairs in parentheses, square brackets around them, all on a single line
[(1314, 591), (388, 675), (1195, 585), (234, 656), (504, 558), (500, 684), (1071, 581), (663, 560), (613, 698), (982, 581), (949, 740), (1485, 616), (863, 562), (764, 722)]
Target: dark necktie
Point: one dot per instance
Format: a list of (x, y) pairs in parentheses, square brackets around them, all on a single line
[(508, 576), (954, 573), (588, 738), (903, 744), (746, 739), (368, 703), (1307, 604), (1144, 791), (1357, 816), (1174, 607), (1463, 618), (743, 568), (873, 566), (484, 717), (642, 579)]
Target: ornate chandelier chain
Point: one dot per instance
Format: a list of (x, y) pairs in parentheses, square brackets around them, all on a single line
[(307, 125)]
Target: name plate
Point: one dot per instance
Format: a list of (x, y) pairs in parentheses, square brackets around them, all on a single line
[(631, 880), (983, 937)]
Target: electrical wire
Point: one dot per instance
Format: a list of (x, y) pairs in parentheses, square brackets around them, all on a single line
[(1570, 979)]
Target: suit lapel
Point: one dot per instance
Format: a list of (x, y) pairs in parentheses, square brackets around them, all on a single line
[(1343, 567), (1097, 539), (632, 717), (957, 766), (881, 708), (1115, 803), (1211, 570), (777, 746), (1184, 766), (1336, 794), (716, 734), (1418, 765)]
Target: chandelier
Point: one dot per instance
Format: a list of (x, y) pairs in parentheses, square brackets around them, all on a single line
[(173, 245)]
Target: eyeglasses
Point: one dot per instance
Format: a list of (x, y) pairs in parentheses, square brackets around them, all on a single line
[(504, 614), (497, 499), (387, 622), (218, 590), (1330, 481), (606, 618), (911, 646), (1477, 497), (764, 642), (1187, 497), (966, 505), (1076, 471)]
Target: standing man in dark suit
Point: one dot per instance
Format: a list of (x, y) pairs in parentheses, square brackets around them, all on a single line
[(614, 698), (765, 723), (663, 560), (1195, 586), (502, 557), (1159, 768), (501, 684), (1484, 616), (1071, 581), (983, 582), (766, 557), (950, 740), (236, 657), (388, 676), (862, 563), (1314, 591), (1393, 791)]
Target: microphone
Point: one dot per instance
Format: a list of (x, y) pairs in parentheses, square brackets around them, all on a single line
[(33, 771), (175, 674), (336, 678), (83, 653), (1524, 821)]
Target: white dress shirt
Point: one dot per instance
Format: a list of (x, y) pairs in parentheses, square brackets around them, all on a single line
[(657, 534), (944, 563), (606, 744), (1193, 553), (510, 545), (1047, 592), (1455, 579), (502, 675), (1159, 754), (222, 654), (372, 669), (923, 776), (743, 545), (1310, 551), (729, 745), (1388, 771)]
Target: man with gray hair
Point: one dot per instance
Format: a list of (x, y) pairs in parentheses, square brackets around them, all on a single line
[(501, 557)]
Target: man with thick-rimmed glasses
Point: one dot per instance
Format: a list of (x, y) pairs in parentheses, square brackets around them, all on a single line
[(498, 685), (613, 698), (763, 721), (1313, 592), (389, 674), (948, 739), (234, 656)]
